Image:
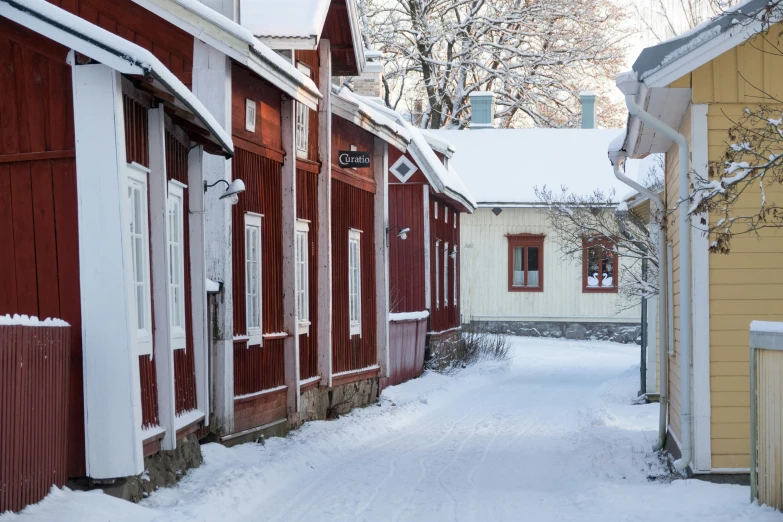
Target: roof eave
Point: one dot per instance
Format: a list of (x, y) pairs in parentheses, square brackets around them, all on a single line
[(284, 43), (355, 114)]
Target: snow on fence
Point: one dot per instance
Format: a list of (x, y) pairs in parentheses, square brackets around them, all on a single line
[(766, 416), (34, 359), (407, 340)]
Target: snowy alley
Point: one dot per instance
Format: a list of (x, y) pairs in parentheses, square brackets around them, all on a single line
[(550, 434)]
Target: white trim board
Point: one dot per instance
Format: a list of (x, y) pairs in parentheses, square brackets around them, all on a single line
[(700, 268)]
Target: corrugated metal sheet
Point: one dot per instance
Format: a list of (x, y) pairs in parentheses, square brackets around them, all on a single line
[(407, 341), (352, 208), (406, 257), (34, 414), (307, 208), (258, 368)]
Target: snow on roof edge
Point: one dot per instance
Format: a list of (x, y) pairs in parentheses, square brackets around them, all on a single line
[(125, 50), (370, 112)]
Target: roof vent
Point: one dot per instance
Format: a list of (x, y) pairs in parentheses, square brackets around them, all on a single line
[(482, 112), (588, 109)]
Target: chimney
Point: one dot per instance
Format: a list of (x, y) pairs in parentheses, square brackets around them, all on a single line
[(482, 110), (369, 83), (588, 109)]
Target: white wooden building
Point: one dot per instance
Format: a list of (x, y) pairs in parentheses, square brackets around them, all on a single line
[(514, 276)]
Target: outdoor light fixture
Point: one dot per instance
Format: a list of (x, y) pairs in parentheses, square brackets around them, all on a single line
[(232, 189), (402, 234)]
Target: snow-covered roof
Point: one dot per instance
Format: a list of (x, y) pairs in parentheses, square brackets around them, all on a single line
[(504, 166), (443, 180), (290, 19), (736, 19), (238, 43), (349, 106), (438, 143), (126, 57)]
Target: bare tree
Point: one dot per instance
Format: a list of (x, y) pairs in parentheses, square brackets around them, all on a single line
[(735, 192), (535, 55), (598, 217), (663, 19)]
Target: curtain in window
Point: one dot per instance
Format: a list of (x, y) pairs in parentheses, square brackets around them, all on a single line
[(519, 268)]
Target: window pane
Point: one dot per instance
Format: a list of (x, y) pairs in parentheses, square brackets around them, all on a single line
[(519, 269), (532, 266), (592, 266), (607, 268)]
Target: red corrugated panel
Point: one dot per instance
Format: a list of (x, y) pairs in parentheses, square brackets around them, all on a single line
[(446, 315), (407, 341), (34, 414), (258, 368), (352, 208), (307, 208), (406, 257)]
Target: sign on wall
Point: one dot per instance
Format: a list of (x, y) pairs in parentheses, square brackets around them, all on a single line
[(353, 159)]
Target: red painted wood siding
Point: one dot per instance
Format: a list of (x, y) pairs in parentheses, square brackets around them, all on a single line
[(137, 150), (352, 208), (406, 257), (170, 44), (258, 368), (267, 139), (307, 208), (251, 412), (184, 361), (263, 195), (446, 316), (407, 341), (39, 258), (34, 414), (345, 134)]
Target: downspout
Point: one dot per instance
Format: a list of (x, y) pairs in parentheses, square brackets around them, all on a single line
[(657, 203), (628, 84)]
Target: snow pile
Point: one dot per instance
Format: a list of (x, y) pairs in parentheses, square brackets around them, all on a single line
[(212, 286), (766, 327), (24, 320), (408, 316), (551, 434)]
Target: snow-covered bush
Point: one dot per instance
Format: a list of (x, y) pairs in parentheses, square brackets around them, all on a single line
[(453, 354)]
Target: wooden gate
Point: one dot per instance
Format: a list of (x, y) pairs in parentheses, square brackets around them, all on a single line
[(34, 414)]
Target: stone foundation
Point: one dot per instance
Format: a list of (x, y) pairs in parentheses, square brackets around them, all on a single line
[(162, 469), (329, 403), (627, 333)]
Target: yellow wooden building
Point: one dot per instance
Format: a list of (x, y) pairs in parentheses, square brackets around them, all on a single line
[(683, 95)]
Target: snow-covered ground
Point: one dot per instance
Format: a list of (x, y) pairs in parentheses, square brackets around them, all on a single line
[(549, 435)]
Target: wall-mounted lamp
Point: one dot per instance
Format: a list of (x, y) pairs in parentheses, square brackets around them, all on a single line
[(232, 189), (402, 232), (453, 254)]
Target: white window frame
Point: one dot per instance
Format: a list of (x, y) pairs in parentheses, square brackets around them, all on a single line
[(255, 333), (436, 210), (445, 214), (302, 120), (302, 276), (250, 115), (355, 283), (403, 161), (446, 275), (454, 267), (176, 195), (437, 273), (136, 176)]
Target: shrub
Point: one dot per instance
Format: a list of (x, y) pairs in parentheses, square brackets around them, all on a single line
[(449, 356)]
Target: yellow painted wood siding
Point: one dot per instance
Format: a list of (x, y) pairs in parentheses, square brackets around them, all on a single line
[(748, 283), (484, 274)]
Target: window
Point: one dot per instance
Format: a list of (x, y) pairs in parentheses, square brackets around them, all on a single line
[(437, 273), (436, 210), (455, 220), (140, 256), (599, 266), (302, 121), (174, 235), (354, 282), (454, 267), (302, 279), (445, 214), (446, 276), (525, 263), (253, 278), (250, 115), (403, 169)]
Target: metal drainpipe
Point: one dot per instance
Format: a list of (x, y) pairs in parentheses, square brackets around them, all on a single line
[(628, 84), (656, 202)]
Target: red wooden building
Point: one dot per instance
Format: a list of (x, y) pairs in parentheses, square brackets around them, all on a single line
[(108, 118)]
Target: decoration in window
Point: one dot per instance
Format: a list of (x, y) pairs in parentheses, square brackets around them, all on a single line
[(599, 270)]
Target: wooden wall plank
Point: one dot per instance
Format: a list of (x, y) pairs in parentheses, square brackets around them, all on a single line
[(8, 299)]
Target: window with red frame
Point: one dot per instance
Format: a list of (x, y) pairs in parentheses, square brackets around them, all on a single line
[(525, 263), (599, 266)]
